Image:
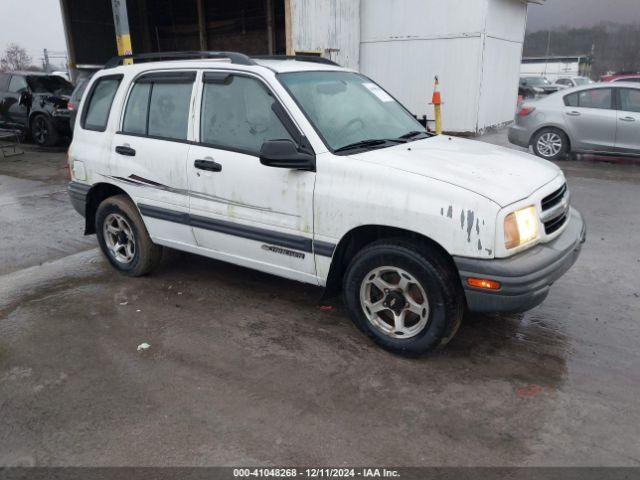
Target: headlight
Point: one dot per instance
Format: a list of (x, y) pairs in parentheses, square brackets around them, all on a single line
[(538, 89), (520, 227)]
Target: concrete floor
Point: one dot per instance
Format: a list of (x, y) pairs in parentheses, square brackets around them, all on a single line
[(245, 368)]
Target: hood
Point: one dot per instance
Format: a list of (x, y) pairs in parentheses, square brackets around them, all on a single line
[(497, 173)]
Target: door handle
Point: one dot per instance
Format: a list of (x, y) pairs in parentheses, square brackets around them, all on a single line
[(574, 113), (628, 119), (208, 165), (128, 151)]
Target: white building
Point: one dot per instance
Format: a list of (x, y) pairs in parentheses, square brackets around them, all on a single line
[(474, 46), (555, 67)]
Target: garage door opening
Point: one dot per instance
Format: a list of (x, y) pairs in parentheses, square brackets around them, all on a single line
[(254, 27)]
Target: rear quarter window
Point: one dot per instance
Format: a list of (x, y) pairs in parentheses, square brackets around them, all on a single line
[(95, 114), (4, 82)]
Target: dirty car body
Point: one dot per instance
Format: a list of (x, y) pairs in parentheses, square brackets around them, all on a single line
[(312, 172)]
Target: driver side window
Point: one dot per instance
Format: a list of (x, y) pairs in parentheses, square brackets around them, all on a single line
[(236, 113)]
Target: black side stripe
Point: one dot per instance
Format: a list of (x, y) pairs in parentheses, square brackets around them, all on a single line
[(229, 228)]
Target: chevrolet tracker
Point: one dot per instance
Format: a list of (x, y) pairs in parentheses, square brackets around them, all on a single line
[(309, 171)]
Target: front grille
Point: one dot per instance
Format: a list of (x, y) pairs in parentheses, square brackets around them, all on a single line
[(553, 225), (553, 199), (555, 210)]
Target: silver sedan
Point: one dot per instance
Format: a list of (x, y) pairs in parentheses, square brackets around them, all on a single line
[(602, 118)]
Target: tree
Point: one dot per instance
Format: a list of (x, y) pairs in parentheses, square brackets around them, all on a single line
[(15, 58)]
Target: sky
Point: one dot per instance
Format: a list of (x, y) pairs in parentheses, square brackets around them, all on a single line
[(37, 24), (581, 13)]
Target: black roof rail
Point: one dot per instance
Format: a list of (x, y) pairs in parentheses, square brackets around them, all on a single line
[(301, 58), (234, 57)]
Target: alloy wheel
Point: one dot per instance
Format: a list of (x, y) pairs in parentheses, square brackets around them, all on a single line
[(119, 238), (394, 302), (549, 144)]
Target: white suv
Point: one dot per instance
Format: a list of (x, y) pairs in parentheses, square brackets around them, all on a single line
[(309, 171)]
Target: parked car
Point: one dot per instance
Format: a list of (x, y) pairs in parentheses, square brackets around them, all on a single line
[(568, 82), (312, 172), (534, 87), (602, 118), (620, 76), (35, 103)]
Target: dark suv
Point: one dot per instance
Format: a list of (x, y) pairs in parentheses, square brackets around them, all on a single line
[(36, 104)]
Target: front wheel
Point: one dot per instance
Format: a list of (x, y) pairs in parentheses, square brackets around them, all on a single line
[(404, 296), (550, 144), (124, 239)]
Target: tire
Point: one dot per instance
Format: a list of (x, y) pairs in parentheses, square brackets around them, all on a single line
[(118, 222), (43, 131), (433, 288), (550, 144)]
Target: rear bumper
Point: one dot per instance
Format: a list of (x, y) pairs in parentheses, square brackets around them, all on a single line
[(519, 135), (78, 196), (525, 278)]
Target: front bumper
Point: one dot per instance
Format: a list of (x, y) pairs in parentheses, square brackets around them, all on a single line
[(526, 277)]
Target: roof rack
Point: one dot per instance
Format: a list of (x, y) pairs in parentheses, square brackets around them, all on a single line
[(301, 58), (234, 57)]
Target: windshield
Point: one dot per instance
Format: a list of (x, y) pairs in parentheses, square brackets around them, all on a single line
[(49, 84), (536, 81), (347, 108)]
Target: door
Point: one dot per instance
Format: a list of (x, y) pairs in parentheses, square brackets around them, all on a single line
[(591, 118), (241, 210), (17, 114), (628, 133), (149, 153)]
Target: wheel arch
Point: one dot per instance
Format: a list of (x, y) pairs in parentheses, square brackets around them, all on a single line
[(96, 195), (563, 129), (360, 237)]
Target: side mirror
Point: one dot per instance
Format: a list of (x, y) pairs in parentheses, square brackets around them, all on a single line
[(285, 154), (25, 99), (524, 83)]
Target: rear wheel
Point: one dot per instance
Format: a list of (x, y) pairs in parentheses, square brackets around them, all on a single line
[(405, 298), (124, 239), (43, 131), (550, 144)]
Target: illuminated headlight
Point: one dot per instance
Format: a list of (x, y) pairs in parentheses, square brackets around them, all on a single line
[(520, 227)]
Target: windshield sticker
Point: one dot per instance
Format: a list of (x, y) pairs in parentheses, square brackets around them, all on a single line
[(378, 92)]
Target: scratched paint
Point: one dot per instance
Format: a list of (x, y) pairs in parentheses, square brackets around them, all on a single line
[(470, 218)]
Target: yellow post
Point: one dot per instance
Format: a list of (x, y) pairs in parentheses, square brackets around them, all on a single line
[(436, 101), (121, 24)]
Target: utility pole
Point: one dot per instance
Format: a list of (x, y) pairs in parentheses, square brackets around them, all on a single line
[(546, 64), (121, 24), (45, 60)]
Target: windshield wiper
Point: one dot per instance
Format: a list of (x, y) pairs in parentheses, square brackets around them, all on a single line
[(412, 134), (369, 143)]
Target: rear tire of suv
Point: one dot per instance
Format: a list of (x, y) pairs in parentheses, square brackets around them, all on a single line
[(407, 299), (124, 239), (43, 131), (550, 144)]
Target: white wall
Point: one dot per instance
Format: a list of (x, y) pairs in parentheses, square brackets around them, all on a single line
[(325, 25), (551, 70)]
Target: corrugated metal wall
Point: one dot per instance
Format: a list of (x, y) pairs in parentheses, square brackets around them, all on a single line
[(474, 46), (329, 27)]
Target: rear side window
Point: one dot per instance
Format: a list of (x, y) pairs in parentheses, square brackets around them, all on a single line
[(630, 100), (595, 98), (96, 113), (571, 100), (17, 84), (236, 113), (158, 105)]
